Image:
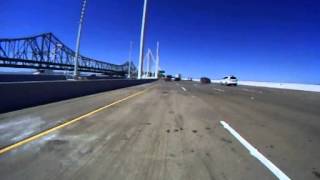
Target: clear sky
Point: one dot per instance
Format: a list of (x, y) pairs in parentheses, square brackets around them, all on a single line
[(263, 40)]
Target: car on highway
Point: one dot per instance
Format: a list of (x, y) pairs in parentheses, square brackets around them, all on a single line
[(168, 78), (205, 80), (229, 81), (189, 79), (177, 77)]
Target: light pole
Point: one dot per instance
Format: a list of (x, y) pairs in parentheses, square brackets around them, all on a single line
[(148, 62), (76, 57), (157, 61), (142, 39), (130, 52)]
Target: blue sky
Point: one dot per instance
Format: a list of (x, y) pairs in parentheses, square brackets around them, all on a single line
[(263, 40)]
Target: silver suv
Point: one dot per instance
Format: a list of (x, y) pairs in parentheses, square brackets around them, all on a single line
[(229, 81)]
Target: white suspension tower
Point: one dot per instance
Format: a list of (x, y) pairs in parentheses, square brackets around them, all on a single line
[(152, 61)]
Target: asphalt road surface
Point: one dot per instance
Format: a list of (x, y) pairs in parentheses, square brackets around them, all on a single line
[(165, 130)]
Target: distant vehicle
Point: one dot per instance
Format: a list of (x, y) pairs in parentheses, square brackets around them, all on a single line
[(229, 81), (177, 77), (205, 80), (168, 78), (43, 71)]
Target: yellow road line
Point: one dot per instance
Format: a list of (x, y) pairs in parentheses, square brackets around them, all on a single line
[(43, 133)]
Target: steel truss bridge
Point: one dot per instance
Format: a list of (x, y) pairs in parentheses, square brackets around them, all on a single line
[(46, 51)]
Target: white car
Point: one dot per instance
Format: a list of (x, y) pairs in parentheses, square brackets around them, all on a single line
[(229, 81)]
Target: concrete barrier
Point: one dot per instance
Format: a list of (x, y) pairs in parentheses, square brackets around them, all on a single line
[(18, 95), (30, 77), (292, 86), (101, 77)]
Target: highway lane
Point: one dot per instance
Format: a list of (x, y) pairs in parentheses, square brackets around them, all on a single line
[(171, 131), (283, 124), (17, 125)]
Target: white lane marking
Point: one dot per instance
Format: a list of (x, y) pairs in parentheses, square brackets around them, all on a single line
[(220, 90), (253, 91), (255, 153), (245, 89), (184, 89)]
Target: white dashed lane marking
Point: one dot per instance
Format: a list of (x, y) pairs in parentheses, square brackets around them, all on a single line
[(255, 153), (252, 91), (216, 89)]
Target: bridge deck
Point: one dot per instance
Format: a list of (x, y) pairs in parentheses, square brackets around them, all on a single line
[(169, 131)]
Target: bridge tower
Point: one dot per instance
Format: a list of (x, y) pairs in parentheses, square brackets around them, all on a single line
[(152, 64)]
